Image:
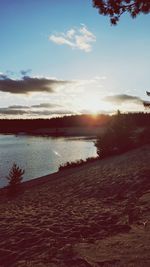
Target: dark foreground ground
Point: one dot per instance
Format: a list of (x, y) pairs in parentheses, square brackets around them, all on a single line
[(95, 215)]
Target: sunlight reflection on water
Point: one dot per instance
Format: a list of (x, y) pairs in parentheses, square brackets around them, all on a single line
[(41, 155)]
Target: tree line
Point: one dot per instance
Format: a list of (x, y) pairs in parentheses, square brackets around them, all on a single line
[(29, 125)]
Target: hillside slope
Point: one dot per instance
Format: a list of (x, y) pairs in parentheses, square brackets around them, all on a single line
[(94, 215)]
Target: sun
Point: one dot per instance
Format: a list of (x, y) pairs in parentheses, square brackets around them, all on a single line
[(93, 104), (94, 112)]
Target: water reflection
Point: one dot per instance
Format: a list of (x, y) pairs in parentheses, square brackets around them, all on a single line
[(41, 155)]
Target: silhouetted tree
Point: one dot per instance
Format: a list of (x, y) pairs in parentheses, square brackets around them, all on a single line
[(105, 144), (117, 138), (14, 179), (115, 8), (147, 103)]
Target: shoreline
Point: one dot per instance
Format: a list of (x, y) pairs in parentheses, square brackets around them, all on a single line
[(62, 132), (47, 154), (58, 174)]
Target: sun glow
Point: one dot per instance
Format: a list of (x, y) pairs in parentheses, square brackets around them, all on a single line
[(95, 106)]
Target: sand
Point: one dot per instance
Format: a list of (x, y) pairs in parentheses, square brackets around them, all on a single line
[(93, 215)]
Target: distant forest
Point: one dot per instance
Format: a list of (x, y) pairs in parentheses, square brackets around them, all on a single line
[(29, 125)]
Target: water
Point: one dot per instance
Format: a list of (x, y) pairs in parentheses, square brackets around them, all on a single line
[(40, 155)]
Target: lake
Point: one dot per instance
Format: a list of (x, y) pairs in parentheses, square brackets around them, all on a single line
[(40, 155)]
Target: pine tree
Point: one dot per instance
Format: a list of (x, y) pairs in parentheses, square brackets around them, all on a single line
[(15, 178)]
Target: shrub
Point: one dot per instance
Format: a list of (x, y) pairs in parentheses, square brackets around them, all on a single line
[(105, 144), (115, 140), (14, 179), (144, 136), (77, 163)]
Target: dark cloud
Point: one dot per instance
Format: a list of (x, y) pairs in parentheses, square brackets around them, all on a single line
[(25, 72), (10, 72), (120, 99), (12, 111), (54, 112), (29, 84), (9, 111), (46, 105), (18, 107), (3, 77), (40, 106)]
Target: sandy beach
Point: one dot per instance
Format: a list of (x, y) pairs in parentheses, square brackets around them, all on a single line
[(93, 215)]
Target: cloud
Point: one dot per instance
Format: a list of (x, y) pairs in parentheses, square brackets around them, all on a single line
[(39, 106), (123, 98), (60, 40), (70, 33), (81, 38), (25, 72), (30, 113), (50, 112), (18, 107), (10, 111), (46, 105), (29, 84), (3, 76), (43, 109)]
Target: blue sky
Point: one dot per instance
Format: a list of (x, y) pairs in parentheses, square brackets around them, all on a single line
[(86, 64)]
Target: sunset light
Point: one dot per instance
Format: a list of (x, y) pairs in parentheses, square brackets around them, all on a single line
[(74, 133), (61, 65)]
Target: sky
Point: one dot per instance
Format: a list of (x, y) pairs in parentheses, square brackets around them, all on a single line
[(62, 58)]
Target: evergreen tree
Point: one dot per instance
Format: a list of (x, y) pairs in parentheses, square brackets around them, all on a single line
[(15, 178)]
